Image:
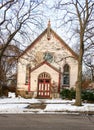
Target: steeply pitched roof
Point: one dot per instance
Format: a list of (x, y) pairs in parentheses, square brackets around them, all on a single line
[(57, 36)]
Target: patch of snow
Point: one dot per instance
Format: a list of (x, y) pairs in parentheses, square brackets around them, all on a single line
[(11, 95), (19, 105)]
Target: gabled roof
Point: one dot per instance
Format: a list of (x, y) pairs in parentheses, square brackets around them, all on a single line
[(47, 63), (57, 36)]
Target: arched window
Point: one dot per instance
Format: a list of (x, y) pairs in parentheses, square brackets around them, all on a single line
[(44, 75), (66, 75), (27, 73)]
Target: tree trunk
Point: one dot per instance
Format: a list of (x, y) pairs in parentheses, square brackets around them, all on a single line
[(78, 85), (78, 101)]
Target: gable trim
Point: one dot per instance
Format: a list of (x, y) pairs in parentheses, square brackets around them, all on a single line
[(42, 63), (66, 45), (33, 43), (57, 36)]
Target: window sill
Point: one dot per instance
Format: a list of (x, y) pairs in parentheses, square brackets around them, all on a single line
[(65, 86), (26, 83)]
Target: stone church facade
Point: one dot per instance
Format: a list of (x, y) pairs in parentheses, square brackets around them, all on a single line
[(46, 67)]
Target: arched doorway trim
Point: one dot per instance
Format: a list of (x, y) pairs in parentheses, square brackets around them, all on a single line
[(44, 82)]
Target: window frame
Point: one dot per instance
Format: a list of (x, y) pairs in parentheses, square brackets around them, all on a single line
[(27, 74), (66, 75)]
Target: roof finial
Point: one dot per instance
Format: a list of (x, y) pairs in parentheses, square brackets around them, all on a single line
[(48, 31), (49, 23)]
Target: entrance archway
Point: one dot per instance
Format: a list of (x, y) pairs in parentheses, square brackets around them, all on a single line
[(44, 81)]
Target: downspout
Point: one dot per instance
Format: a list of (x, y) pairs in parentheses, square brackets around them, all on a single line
[(59, 81), (29, 80)]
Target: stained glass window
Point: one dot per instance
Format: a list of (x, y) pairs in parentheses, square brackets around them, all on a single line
[(48, 57), (66, 75)]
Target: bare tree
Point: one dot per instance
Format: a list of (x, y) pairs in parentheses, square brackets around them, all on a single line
[(89, 62), (8, 66), (18, 17), (8, 63), (79, 16)]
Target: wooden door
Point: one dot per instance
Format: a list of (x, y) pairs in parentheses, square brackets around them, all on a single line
[(44, 85)]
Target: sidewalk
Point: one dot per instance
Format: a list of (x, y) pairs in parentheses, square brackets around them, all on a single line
[(60, 106), (39, 106)]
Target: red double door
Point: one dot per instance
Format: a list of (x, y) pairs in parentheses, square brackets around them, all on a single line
[(44, 85)]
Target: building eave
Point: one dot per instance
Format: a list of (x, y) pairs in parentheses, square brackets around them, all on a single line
[(47, 63), (75, 55)]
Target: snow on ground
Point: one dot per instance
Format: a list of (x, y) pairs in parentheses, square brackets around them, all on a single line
[(15, 105)]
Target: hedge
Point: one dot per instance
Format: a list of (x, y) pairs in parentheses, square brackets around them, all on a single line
[(71, 93)]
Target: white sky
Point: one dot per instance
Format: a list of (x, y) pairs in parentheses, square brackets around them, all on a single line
[(51, 14)]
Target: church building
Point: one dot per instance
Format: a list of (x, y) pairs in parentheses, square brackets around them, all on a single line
[(46, 66)]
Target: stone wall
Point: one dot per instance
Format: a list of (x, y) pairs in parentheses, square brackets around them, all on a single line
[(34, 56)]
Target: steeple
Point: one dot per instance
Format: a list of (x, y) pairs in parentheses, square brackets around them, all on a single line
[(49, 31)]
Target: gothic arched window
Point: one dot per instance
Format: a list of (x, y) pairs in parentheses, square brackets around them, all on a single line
[(27, 73), (66, 75)]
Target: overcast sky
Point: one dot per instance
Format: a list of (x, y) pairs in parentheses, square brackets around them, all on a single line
[(53, 15)]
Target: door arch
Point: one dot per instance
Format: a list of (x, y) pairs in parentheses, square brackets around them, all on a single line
[(44, 81)]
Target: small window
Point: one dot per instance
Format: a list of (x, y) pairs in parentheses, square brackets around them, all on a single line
[(27, 73), (66, 75), (48, 56), (41, 81), (26, 92), (47, 81)]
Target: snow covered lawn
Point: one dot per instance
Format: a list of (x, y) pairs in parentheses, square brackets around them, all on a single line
[(19, 105)]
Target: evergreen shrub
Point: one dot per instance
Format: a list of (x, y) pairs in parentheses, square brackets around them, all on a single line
[(88, 95), (68, 94)]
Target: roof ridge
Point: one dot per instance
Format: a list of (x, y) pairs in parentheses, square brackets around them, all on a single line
[(57, 36)]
